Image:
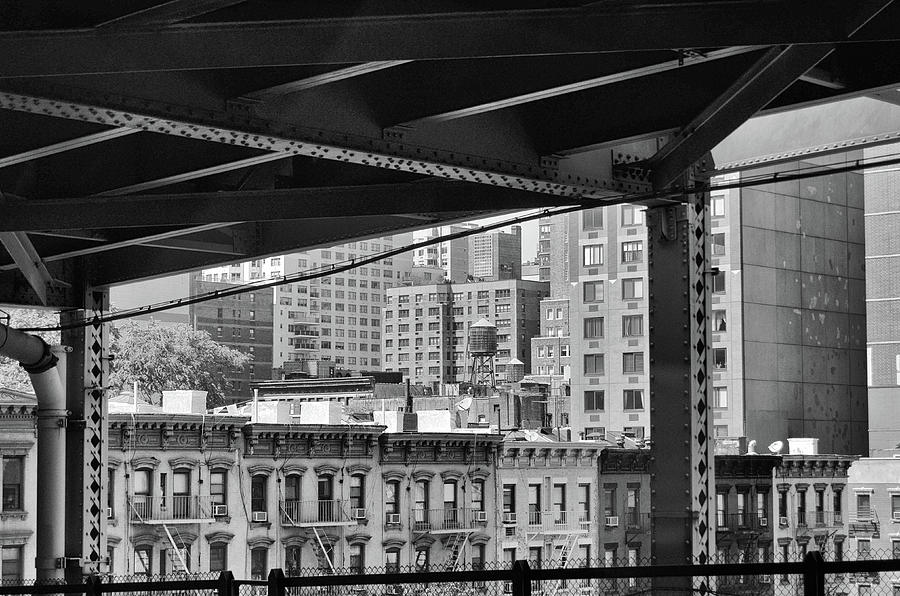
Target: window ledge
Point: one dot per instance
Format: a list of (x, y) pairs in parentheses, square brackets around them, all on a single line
[(13, 515)]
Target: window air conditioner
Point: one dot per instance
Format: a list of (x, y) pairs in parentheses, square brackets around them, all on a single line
[(220, 510), (393, 519), (109, 513), (358, 513), (260, 516), (612, 521), (481, 516), (509, 517), (782, 521), (763, 522)]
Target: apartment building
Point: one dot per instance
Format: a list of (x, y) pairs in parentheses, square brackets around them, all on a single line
[(242, 322), (18, 474), (451, 256), (625, 507), (494, 256), (336, 317), (426, 327)]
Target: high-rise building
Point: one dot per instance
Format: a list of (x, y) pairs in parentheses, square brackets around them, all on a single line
[(426, 327), (335, 318), (496, 255), (450, 255)]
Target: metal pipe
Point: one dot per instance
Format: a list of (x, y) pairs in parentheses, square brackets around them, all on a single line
[(40, 362)]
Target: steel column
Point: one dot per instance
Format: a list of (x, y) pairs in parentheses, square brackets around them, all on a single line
[(86, 482), (682, 464)]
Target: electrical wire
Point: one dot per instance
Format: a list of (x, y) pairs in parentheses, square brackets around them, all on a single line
[(674, 196)]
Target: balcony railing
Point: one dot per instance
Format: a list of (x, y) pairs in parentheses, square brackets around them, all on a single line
[(448, 519), (174, 509), (559, 521), (319, 513), (742, 522)]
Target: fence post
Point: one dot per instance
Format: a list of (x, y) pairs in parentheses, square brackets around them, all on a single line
[(226, 583), (276, 582), (92, 585), (813, 574), (521, 578)]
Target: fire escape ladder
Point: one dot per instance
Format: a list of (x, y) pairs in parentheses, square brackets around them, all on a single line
[(322, 539), (177, 556)]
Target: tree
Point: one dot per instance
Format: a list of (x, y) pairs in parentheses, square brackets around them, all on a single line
[(162, 358), (12, 375)]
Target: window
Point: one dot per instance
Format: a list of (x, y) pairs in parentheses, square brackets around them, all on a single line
[(632, 215), (717, 242), (258, 490), (421, 495), (593, 401), (584, 504), (720, 397), (218, 557), (181, 490), (558, 496), (534, 504), (718, 282), (143, 560), (392, 560), (633, 363), (12, 563), (422, 558), (632, 252), (634, 399), (719, 321), (593, 328), (863, 550), (592, 219), (594, 433), (863, 506), (478, 557), (357, 491), (392, 496), (593, 291), (13, 470), (593, 364), (293, 560), (509, 498), (357, 559), (609, 500), (632, 289), (478, 495), (721, 509), (592, 255), (720, 358), (720, 430), (717, 205), (633, 506), (259, 563), (632, 325)]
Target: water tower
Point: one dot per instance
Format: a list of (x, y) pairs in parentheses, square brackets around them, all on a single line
[(482, 349), (515, 370)]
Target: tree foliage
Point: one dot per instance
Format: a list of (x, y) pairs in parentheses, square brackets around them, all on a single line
[(162, 358), (12, 375)]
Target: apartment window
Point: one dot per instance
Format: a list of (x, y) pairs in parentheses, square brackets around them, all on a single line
[(632, 289), (509, 498), (609, 500), (632, 506), (717, 242), (421, 495), (721, 509), (633, 362), (720, 397), (534, 504), (13, 480), (143, 560), (593, 401), (719, 320), (632, 215), (423, 557), (632, 325), (258, 493), (592, 255), (632, 252), (392, 560), (218, 332), (478, 495), (863, 506), (593, 291), (259, 563), (218, 556), (718, 282), (593, 328), (357, 491), (478, 551), (558, 495), (633, 399), (392, 496), (592, 219), (12, 564), (720, 358), (720, 430), (593, 364), (863, 550), (357, 559), (717, 206), (584, 504)]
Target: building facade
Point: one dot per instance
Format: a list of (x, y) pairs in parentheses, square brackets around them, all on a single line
[(242, 322), (426, 327), (18, 476), (495, 256)]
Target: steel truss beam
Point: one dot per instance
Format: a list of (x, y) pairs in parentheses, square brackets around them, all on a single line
[(28, 261), (61, 147), (289, 140), (325, 78), (631, 27), (763, 82), (593, 83), (167, 13), (412, 198)]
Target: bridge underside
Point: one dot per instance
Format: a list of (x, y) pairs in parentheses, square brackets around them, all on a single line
[(143, 138)]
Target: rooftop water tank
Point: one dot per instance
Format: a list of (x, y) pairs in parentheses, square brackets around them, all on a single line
[(483, 338)]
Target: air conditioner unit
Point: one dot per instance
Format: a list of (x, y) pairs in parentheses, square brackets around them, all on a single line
[(393, 519), (763, 522), (481, 516), (358, 513), (260, 516), (765, 579), (509, 517), (109, 513), (782, 521), (220, 510), (612, 522), (895, 516)]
